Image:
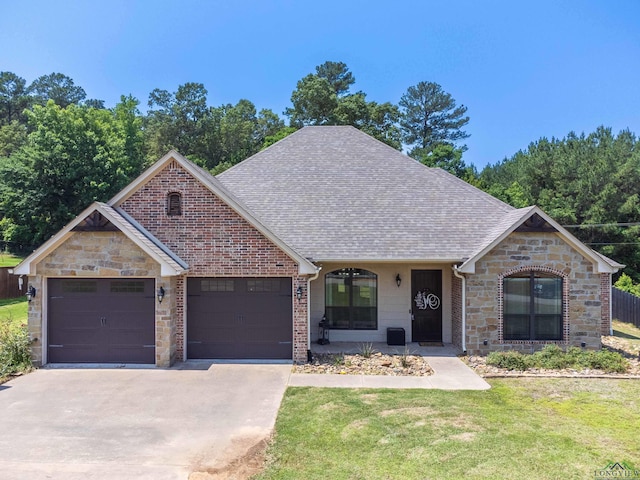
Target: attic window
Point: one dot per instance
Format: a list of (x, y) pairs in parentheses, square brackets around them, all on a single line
[(174, 204)]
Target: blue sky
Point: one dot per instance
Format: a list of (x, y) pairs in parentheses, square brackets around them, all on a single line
[(524, 69)]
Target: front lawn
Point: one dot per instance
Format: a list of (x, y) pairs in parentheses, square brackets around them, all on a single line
[(544, 428)]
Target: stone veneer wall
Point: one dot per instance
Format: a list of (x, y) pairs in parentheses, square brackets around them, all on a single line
[(456, 311), (96, 255), (584, 312), (215, 241), (605, 315)]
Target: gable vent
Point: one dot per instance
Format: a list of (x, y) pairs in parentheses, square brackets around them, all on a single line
[(174, 204)]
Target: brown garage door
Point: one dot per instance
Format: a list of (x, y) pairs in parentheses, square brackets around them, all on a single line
[(101, 321), (239, 318)]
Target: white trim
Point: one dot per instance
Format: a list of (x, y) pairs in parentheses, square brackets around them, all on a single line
[(27, 266), (305, 267), (463, 327), (599, 261)]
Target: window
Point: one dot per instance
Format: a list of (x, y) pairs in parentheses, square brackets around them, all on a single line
[(127, 286), (351, 299), (258, 285), (174, 204), (532, 306), (217, 285)]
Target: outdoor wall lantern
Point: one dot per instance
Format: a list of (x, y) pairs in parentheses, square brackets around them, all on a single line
[(31, 292), (398, 280), (160, 294), (299, 293)]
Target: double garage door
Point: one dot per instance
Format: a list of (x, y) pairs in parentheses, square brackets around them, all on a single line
[(113, 320), (237, 318), (101, 321)]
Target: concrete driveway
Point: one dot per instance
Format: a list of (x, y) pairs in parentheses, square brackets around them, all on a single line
[(79, 423)]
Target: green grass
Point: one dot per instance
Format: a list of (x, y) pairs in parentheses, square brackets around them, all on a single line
[(13, 311), (521, 428), (9, 260), (627, 331)]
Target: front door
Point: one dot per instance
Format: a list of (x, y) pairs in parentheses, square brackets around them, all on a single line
[(426, 305)]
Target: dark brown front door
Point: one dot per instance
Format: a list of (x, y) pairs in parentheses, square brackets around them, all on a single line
[(241, 318), (426, 305), (101, 320)]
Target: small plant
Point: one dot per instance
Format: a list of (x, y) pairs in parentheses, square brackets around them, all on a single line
[(404, 358), (338, 359), (366, 350)]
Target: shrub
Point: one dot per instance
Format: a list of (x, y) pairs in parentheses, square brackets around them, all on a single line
[(550, 357), (14, 350), (607, 360), (553, 358), (511, 360)]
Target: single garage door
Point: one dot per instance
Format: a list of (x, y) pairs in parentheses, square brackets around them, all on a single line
[(239, 318), (101, 320)]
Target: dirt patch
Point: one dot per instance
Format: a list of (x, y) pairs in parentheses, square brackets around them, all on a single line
[(244, 459), (375, 364)]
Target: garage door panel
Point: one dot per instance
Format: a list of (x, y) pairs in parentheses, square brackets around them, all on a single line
[(239, 318), (101, 320)]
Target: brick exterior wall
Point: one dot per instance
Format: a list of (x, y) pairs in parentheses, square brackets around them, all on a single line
[(96, 255), (456, 312), (583, 299), (215, 241)]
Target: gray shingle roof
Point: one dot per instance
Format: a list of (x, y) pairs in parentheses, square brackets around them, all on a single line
[(335, 193)]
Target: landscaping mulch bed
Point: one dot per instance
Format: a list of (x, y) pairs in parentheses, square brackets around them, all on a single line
[(629, 351), (375, 364)]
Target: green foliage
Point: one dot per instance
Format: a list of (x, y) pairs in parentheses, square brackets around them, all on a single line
[(554, 358), (430, 116), (57, 87), (14, 98), (511, 360), (14, 349), (625, 283), (72, 157), (338, 76), (366, 350), (586, 180), (323, 98), (14, 339)]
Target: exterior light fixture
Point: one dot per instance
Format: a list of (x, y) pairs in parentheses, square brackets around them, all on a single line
[(31, 293), (299, 293), (160, 294), (398, 280)]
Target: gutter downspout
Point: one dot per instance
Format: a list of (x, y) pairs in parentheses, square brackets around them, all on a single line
[(309, 280), (463, 279)]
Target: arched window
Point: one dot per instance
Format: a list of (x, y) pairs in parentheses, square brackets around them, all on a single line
[(532, 306), (351, 299), (174, 204)]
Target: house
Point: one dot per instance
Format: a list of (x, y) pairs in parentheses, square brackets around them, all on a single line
[(328, 223)]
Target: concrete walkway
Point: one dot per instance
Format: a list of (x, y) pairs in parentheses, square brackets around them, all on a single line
[(450, 373)]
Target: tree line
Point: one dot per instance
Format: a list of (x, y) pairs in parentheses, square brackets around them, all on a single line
[(59, 151)]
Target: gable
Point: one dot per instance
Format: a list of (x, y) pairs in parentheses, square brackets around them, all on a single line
[(99, 217), (210, 235), (533, 220)]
